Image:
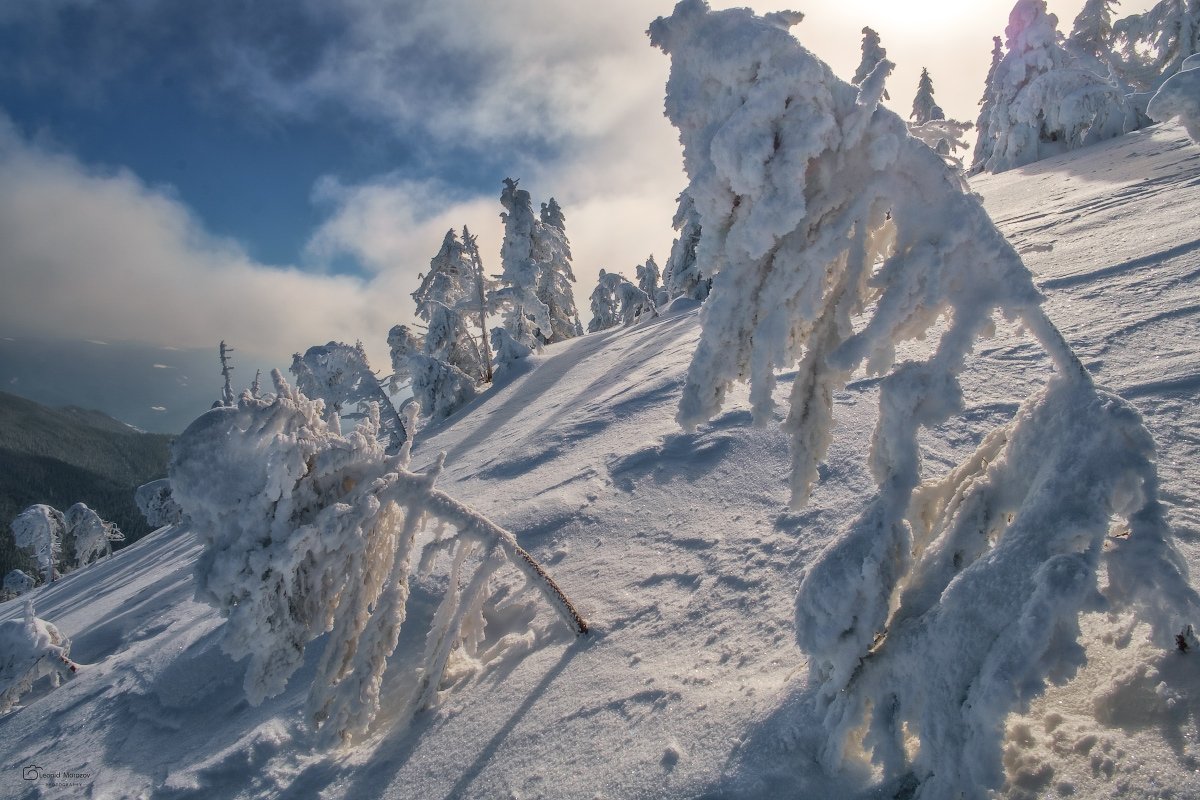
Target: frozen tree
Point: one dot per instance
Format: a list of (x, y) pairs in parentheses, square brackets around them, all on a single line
[(1152, 47), (440, 387), (41, 529), (984, 144), (91, 537), (403, 344), (872, 54), (256, 384), (633, 303), (227, 396), (30, 649), (308, 533), (947, 603), (605, 307), (536, 297), (647, 277), (1179, 99), (925, 108), (683, 277), (508, 349), (945, 137), (1091, 36), (445, 299), (340, 375), (18, 583), (482, 287), (552, 215), (1041, 102), (155, 502)]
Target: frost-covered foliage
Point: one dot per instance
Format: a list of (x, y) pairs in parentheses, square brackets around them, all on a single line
[(616, 301), (984, 144), (925, 108), (439, 387), (535, 296), (683, 277), (872, 53), (155, 502), (648, 276), (507, 349), (90, 537), (1179, 99), (447, 300), (1091, 38), (307, 532), (340, 375), (945, 137), (18, 583), (30, 649), (403, 344), (947, 603), (1152, 47), (41, 529), (1041, 102)]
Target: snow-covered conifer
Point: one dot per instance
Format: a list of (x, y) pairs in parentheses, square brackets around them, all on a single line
[(30, 649), (683, 277), (227, 396), (552, 215), (482, 287), (403, 344), (1091, 38), (90, 536), (648, 275), (948, 603), (445, 299), (340, 375), (306, 532), (17, 583), (535, 296), (440, 387), (508, 349), (925, 108), (984, 143), (1152, 46), (41, 529), (605, 307), (872, 53), (1042, 102), (155, 502)]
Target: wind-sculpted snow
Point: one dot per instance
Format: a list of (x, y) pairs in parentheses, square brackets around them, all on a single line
[(307, 532), (834, 239)]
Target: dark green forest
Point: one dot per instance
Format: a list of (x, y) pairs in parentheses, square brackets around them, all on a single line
[(69, 455)]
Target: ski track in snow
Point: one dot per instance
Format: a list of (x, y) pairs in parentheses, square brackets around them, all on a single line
[(681, 551)]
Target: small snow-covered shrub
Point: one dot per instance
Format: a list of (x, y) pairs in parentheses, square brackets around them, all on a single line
[(41, 530), (1179, 99), (18, 583), (835, 237), (306, 532), (91, 537), (30, 648), (155, 502)]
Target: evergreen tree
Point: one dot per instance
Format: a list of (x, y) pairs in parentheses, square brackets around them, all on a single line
[(647, 277), (340, 375), (1152, 47), (552, 215), (984, 144), (872, 53), (1092, 34), (925, 109), (445, 298), (683, 277)]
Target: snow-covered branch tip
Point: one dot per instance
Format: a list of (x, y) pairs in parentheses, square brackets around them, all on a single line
[(834, 237), (308, 532)]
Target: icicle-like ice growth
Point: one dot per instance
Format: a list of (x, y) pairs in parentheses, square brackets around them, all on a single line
[(944, 606), (307, 532)]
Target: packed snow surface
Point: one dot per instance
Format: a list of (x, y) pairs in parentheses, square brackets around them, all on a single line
[(682, 553)]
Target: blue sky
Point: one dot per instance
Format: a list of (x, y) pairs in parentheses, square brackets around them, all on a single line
[(278, 173)]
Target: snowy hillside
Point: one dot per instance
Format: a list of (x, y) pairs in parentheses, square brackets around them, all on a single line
[(680, 551)]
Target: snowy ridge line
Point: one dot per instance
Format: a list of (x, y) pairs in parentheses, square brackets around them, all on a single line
[(1081, 278)]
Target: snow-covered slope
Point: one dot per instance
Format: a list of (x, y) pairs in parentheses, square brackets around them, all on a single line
[(681, 552)]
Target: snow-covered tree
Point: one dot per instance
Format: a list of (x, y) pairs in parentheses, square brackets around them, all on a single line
[(41, 529), (949, 602), (945, 137), (683, 277), (227, 396), (440, 387), (1152, 47), (403, 344), (445, 299), (648, 275), (508, 349), (31, 649), (90, 536), (482, 287), (535, 296), (1042, 102), (17, 582), (1091, 38), (984, 143), (872, 53), (616, 301), (925, 108), (155, 502), (1179, 99), (306, 532), (340, 375)]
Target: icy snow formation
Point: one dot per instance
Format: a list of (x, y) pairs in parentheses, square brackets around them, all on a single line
[(1179, 99), (30, 648), (307, 532), (156, 504), (835, 237)]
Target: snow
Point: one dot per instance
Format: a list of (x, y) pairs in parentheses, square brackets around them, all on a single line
[(1178, 99), (682, 552)]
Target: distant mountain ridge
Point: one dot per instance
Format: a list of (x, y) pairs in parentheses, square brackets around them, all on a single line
[(68, 455)]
